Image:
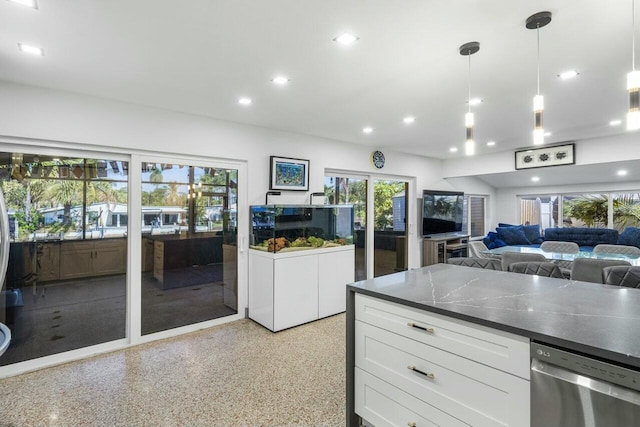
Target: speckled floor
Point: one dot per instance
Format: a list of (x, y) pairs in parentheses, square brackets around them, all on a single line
[(238, 374)]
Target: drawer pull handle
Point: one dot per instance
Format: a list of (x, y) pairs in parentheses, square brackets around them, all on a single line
[(414, 369), (422, 328), (412, 424)]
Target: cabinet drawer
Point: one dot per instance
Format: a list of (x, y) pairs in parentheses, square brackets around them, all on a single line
[(386, 406), (501, 350), (475, 393)]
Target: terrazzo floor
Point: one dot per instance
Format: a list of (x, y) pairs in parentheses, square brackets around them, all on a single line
[(237, 374)]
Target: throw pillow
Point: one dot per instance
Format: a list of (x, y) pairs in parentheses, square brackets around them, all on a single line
[(492, 241), (630, 236), (533, 233), (513, 235)]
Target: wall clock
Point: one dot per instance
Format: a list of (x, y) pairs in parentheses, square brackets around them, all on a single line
[(377, 159)]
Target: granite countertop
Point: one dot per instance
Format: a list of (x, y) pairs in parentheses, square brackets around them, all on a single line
[(589, 318)]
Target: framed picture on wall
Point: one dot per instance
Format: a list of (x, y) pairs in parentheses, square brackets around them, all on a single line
[(556, 155), (289, 174)]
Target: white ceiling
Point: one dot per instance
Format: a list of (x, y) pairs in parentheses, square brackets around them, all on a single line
[(199, 56)]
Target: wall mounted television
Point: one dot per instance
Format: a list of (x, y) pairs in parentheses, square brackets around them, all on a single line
[(441, 212)]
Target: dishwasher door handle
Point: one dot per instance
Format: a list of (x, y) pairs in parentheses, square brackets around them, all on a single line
[(539, 367)]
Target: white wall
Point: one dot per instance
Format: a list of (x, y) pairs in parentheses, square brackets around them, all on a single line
[(96, 123)]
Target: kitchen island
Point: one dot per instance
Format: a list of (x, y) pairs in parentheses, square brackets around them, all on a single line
[(475, 327)]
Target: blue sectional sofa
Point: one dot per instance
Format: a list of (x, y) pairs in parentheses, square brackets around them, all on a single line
[(586, 238)]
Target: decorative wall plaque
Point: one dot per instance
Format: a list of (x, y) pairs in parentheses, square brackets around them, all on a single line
[(556, 155)]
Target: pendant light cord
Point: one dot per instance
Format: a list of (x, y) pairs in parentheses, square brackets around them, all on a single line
[(469, 99), (633, 35), (538, 37)]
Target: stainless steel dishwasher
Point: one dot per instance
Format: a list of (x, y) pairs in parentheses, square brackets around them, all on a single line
[(570, 390)]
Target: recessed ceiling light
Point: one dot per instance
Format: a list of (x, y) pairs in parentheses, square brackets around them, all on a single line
[(535, 178), (280, 80), (491, 143), (616, 122), (245, 101), (367, 129), (475, 101), (409, 119), (569, 74), (346, 39), (547, 134), (453, 149), (31, 50), (29, 3), (622, 172)]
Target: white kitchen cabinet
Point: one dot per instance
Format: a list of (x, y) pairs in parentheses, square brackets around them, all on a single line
[(470, 373), (292, 288)]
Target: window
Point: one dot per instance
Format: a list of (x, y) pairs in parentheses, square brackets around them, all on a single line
[(65, 198), (473, 217), (626, 210), (611, 210), (539, 209), (585, 210)]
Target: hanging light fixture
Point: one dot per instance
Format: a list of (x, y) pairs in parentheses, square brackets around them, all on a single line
[(469, 49), (633, 79), (535, 22)]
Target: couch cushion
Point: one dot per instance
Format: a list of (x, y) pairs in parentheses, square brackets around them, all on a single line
[(630, 236), (513, 235), (533, 233), (582, 236)]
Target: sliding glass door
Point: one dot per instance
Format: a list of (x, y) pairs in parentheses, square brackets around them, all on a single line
[(68, 225), (380, 225), (76, 283), (189, 244)]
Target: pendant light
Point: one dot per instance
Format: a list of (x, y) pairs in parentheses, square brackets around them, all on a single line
[(469, 49), (535, 22), (633, 80)]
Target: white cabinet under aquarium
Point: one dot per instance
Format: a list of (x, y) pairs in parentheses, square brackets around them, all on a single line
[(301, 258)]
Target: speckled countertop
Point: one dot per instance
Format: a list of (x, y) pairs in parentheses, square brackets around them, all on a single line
[(594, 319)]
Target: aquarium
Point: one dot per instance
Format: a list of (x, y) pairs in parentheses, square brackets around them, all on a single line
[(286, 228)]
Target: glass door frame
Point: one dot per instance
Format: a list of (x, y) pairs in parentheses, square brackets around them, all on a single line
[(134, 242), (55, 148), (135, 265), (411, 208)]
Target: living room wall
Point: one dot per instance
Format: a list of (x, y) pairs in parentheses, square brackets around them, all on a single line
[(101, 124)]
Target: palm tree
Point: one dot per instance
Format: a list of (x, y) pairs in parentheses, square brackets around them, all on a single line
[(156, 175), (65, 192), (626, 210), (174, 198)]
